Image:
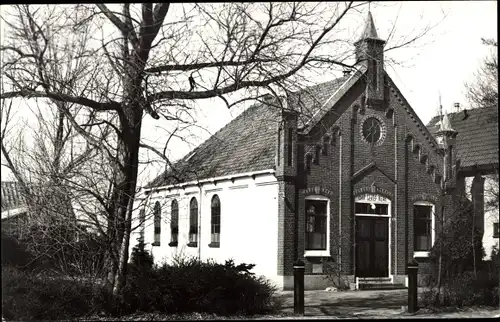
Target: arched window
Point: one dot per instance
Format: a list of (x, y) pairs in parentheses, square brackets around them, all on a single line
[(174, 223), (193, 223), (317, 152), (157, 223), (215, 222), (142, 222)]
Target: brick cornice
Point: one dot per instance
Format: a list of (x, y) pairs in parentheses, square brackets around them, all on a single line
[(287, 179)]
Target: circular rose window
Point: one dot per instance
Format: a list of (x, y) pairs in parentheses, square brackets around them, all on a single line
[(372, 130)]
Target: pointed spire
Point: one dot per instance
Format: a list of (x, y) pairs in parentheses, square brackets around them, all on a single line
[(370, 32), (446, 124), (440, 107)]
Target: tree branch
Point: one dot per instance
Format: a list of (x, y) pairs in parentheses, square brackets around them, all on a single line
[(188, 67), (111, 106), (123, 27)]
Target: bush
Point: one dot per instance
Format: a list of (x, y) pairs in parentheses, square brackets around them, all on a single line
[(70, 257), (141, 260), (14, 254), (187, 286), (191, 285), (27, 296), (465, 290)]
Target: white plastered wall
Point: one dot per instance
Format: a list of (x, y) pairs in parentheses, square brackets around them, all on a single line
[(249, 223)]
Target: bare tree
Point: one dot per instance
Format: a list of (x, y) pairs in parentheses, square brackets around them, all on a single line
[(483, 91), (139, 60)]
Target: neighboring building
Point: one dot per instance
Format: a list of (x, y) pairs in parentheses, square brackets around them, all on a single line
[(347, 174), (13, 206), (16, 218), (477, 151)]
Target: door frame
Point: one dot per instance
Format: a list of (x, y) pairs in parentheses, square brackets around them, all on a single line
[(377, 199)]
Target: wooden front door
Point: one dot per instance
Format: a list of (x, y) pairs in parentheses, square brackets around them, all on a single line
[(372, 242)]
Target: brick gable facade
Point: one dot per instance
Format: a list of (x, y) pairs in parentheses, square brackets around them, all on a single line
[(342, 143)]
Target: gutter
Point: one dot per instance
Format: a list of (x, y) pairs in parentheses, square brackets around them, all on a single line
[(210, 180)]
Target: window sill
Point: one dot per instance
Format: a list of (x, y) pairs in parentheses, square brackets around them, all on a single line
[(155, 244), (173, 244), (192, 244), (317, 253), (421, 253), (214, 245)]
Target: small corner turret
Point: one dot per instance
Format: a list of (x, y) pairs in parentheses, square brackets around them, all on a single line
[(446, 138)]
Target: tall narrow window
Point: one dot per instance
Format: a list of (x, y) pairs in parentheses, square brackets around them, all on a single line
[(495, 228), (215, 222), (174, 223), (142, 222), (422, 216), (316, 154), (324, 150), (193, 223), (375, 74), (289, 144), (157, 223), (309, 158), (279, 146), (316, 224)]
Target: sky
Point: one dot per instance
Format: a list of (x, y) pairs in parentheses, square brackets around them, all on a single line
[(441, 62)]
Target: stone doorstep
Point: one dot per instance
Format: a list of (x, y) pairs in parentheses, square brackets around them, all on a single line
[(374, 280), (378, 283), (381, 286)]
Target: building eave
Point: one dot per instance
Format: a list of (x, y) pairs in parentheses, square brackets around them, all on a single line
[(209, 180)]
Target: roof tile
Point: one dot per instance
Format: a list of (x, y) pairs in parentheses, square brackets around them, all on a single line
[(477, 139)]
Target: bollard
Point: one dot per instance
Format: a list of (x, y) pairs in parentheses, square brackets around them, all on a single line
[(412, 286), (298, 287)]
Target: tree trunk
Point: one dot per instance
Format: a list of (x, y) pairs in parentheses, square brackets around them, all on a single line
[(124, 189), (441, 236)]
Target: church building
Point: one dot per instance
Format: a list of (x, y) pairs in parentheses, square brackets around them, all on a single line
[(346, 176)]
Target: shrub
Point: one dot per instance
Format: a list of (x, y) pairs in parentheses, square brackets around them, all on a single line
[(333, 274), (140, 259), (465, 290), (14, 254), (187, 286), (47, 253), (191, 285), (28, 296)]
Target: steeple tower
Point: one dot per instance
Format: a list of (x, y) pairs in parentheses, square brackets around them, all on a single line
[(369, 50), (446, 138)]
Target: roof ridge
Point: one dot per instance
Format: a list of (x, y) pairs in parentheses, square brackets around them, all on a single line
[(469, 110)]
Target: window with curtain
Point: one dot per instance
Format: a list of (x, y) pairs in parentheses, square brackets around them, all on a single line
[(422, 216), (316, 224)]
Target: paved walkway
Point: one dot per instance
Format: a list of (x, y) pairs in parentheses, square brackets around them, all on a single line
[(367, 304)]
